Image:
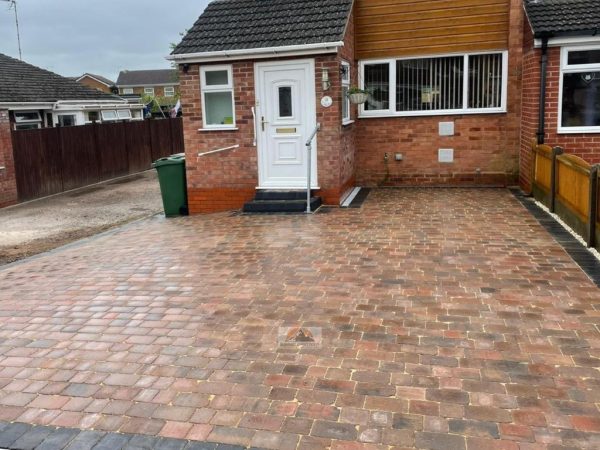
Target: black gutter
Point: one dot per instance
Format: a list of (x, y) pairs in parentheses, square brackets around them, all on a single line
[(544, 75)]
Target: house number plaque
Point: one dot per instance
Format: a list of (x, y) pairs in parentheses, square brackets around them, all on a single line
[(326, 101)]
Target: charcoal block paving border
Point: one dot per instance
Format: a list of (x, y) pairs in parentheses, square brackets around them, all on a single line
[(580, 254), (21, 436)]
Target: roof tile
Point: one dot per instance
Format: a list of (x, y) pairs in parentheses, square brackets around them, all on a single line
[(252, 24), (563, 16), (23, 83)]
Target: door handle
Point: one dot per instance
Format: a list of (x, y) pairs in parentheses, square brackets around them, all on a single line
[(262, 122)]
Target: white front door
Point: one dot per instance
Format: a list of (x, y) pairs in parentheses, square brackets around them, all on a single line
[(286, 116)]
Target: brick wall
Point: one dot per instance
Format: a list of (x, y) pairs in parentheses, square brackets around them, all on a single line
[(91, 83), (159, 91), (8, 183), (227, 180), (486, 146), (584, 145)]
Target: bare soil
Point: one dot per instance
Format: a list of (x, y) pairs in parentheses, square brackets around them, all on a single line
[(45, 224)]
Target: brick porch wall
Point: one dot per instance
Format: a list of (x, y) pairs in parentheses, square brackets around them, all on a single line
[(8, 182), (225, 181), (584, 145), (486, 146)]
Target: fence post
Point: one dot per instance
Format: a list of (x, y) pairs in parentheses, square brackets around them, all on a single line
[(556, 151), (591, 237)]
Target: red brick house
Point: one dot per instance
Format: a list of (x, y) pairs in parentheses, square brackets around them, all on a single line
[(443, 107), (561, 79), (97, 82)]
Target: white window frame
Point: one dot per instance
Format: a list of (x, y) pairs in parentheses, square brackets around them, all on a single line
[(215, 89), (391, 111), (124, 114), (171, 90), (346, 83), (565, 68), (110, 119), (149, 91), (127, 91), (27, 122), (58, 116)]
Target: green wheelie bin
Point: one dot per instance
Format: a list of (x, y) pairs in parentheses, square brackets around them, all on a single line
[(171, 176)]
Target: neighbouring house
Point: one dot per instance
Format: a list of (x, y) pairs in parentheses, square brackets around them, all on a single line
[(443, 107), (163, 83), (97, 82), (561, 79), (37, 98)]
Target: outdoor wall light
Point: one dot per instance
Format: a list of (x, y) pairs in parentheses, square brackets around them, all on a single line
[(186, 68), (325, 78)]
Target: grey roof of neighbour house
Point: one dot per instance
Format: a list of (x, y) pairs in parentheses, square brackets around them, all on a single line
[(23, 83), (98, 77), (253, 24), (563, 16), (147, 77)]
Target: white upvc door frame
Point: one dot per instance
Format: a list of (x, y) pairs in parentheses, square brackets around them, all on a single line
[(262, 142)]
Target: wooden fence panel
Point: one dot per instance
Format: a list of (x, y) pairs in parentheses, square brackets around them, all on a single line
[(112, 150), (53, 160), (160, 134), (543, 166), (177, 136), (573, 184), (37, 171), (598, 201), (81, 164), (139, 147)]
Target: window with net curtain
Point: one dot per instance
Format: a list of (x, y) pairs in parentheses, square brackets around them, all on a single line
[(436, 84)]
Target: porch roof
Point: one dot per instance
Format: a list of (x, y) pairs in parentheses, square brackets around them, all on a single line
[(255, 24), (563, 17)]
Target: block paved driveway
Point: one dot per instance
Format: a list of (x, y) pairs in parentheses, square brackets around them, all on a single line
[(450, 320)]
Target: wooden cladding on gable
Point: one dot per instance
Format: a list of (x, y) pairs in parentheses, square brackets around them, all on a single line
[(396, 28)]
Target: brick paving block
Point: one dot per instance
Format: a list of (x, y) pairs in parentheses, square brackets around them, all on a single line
[(136, 425), (201, 446), (58, 439), (447, 396), (170, 444), (474, 428), (234, 436), (173, 413), (32, 438), (199, 432), (141, 442), (439, 441), (275, 441), (474, 443), (334, 430), (12, 432), (488, 413), (113, 441), (177, 430), (313, 443), (261, 422), (86, 440)]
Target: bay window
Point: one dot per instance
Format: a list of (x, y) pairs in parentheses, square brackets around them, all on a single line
[(453, 84), (218, 103), (579, 109)]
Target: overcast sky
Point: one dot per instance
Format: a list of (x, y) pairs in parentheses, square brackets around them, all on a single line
[(72, 37)]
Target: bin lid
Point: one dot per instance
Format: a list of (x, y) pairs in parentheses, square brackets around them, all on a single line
[(169, 161)]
